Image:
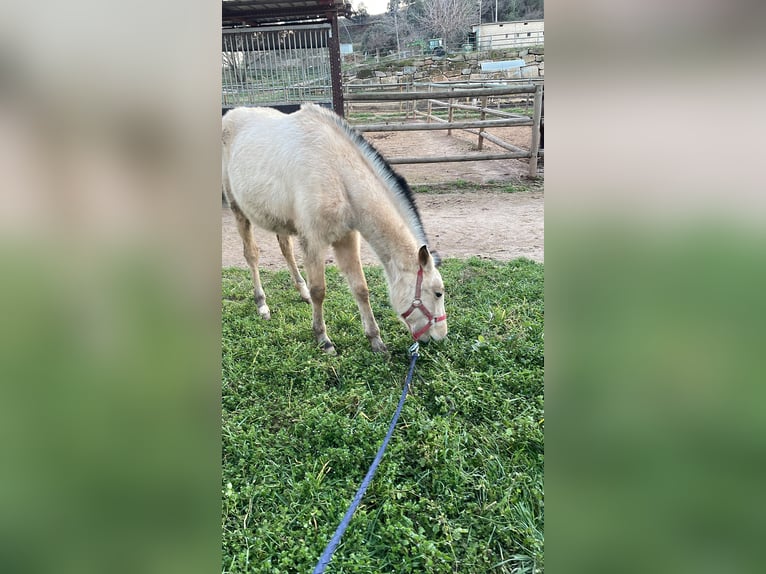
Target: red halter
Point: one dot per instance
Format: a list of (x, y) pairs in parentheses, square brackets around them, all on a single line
[(418, 304)]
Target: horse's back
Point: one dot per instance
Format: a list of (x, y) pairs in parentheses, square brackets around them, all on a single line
[(239, 119), (279, 169)]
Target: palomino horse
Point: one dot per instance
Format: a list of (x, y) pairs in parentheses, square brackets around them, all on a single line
[(310, 174)]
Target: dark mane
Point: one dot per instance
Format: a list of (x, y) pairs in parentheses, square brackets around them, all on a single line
[(397, 184), (402, 188)]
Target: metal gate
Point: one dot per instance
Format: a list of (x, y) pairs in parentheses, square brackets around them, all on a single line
[(276, 66)]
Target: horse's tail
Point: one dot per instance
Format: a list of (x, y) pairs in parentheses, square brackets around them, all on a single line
[(227, 135)]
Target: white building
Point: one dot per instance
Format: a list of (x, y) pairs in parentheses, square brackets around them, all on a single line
[(499, 35)]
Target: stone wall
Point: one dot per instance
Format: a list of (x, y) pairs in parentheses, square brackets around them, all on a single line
[(465, 66)]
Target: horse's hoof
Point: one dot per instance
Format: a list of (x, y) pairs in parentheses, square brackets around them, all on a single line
[(305, 296), (264, 312), (329, 348), (379, 347)]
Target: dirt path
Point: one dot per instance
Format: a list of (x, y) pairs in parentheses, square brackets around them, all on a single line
[(499, 226)]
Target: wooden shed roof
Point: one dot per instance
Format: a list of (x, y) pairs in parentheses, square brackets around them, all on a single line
[(259, 12)]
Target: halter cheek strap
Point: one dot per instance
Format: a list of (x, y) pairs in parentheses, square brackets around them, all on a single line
[(418, 304)]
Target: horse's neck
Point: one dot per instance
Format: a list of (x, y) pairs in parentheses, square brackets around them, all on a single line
[(388, 233)]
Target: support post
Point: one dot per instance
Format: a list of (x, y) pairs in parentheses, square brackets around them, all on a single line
[(534, 147), (335, 68)]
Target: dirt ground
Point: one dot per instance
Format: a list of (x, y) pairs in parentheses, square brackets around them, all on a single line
[(483, 223)]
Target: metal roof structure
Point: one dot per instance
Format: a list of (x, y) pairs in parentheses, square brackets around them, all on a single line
[(237, 13), (244, 14)]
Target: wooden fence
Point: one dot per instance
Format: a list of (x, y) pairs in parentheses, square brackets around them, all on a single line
[(449, 98)]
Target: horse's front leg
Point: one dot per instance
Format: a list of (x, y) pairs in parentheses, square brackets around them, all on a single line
[(314, 264), (350, 264)]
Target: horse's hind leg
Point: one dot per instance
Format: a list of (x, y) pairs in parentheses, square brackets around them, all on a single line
[(251, 255), (314, 264), (286, 246), (350, 264)]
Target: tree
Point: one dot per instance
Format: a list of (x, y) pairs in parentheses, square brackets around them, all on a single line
[(361, 13), (448, 19), (399, 5), (509, 10), (383, 33)]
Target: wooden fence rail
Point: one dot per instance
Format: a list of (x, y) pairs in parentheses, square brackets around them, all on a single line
[(456, 158), (489, 123), (440, 94), (490, 111), (445, 126), (475, 127)]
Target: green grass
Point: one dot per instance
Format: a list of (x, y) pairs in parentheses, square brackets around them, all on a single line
[(464, 186), (460, 488)]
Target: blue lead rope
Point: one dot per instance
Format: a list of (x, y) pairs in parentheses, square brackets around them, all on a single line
[(324, 560)]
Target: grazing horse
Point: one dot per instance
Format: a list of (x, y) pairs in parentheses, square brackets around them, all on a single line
[(311, 175)]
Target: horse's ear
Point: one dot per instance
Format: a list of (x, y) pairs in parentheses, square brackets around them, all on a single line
[(425, 258)]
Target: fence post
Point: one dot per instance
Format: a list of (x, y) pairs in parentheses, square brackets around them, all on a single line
[(411, 105), (428, 120), (534, 147), (482, 117), (450, 114)]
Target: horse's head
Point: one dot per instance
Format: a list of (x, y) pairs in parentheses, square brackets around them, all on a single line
[(419, 299)]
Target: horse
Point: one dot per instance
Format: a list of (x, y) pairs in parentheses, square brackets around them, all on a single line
[(310, 174)]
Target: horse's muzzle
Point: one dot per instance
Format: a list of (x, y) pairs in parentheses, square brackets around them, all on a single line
[(435, 331)]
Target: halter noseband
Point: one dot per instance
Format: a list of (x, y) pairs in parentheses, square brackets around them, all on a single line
[(418, 304)]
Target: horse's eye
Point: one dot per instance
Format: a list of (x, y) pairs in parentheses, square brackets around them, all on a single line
[(438, 294)]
